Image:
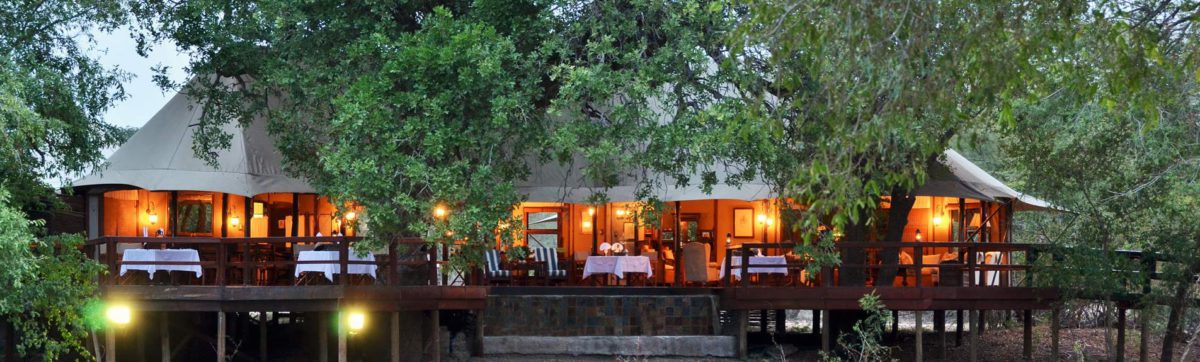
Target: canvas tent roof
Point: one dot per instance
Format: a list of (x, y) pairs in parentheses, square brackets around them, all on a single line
[(968, 175), (160, 157), (555, 182), (951, 176)]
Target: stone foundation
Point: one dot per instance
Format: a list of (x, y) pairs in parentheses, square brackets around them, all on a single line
[(601, 315)]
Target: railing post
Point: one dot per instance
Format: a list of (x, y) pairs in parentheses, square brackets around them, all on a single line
[(393, 269), (728, 266), (745, 275), (221, 260), (971, 251), (344, 259), (110, 247), (919, 261), (247, 267)]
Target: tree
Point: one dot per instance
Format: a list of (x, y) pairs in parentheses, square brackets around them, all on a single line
[(52, 96), (403, 107)]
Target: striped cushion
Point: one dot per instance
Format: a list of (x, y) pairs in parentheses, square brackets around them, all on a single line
[(492, 259), (550, 257)]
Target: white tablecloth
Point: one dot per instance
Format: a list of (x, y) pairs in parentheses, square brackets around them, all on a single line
[(329, 269), (617, 265), (736, 268), (154, 255)]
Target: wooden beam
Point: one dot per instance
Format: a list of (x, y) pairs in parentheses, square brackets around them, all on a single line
[(220, 336), (958, 316), (1027, 351), (323, 337), (919, 332), (110, 344), (394, 337), (1144, 327), (262, 335), (825, 331), (973, 349), (1120, 355), (743, 317), (343, 350), (939, 324), (164, 334)]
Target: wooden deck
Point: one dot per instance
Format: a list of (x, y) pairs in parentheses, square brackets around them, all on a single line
[(299, 298)]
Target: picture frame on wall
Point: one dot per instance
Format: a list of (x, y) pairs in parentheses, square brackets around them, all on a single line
[(743, 223)]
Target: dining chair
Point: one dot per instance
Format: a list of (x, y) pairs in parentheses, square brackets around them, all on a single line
[(549, 256), (495, 272), (695, 264)]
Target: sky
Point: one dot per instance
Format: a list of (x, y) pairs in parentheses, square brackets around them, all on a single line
[(119, 50)]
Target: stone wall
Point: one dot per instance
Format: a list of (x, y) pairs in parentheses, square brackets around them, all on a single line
[(600, 315)]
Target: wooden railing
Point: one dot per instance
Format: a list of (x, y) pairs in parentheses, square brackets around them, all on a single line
[(961, 271), (222, 258)]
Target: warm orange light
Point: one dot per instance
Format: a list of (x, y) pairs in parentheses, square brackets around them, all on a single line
[(762, 218), (440, 212), (918, 234), (620, 212), (350, 215), (152, 217), (449, 232), (591, 211), (587, 224), (234, 221), (258, 210), (770, 221), (937, 220)]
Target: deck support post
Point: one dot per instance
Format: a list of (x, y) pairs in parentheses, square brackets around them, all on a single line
[(895, 325), (323, 337), (958, 316), (919, 332), (780, 322), (221, 336), (110, 344), (973, 348), (477, 337), (1144, 327), (394, 336), (825, 331), (262, 336), (433, 345), (743, 320), (343, 354), (164, 335), (140, 338), (1054, 326), (939, 325), (1120, 355), (1027, 341), (816, 322)]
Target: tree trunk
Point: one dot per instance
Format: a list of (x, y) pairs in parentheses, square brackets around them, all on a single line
[(1178, 307), (902, 203), (854, 276)]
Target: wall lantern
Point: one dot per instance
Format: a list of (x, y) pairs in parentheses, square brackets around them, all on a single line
[(151, 216), (235, 221), (918, 234)]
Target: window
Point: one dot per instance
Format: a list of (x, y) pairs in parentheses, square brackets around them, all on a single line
[(195, 213), (543, 228)]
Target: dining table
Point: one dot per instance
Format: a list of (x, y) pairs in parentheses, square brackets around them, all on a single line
[(758, 264), (333, 265), (132, 257), (617, 265)]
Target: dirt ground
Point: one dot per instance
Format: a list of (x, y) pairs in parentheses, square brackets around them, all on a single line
[(995, 345)]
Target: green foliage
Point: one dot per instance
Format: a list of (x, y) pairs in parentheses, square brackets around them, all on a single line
[(864, 345), (50, 287), (52, 95), (404, 106)]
